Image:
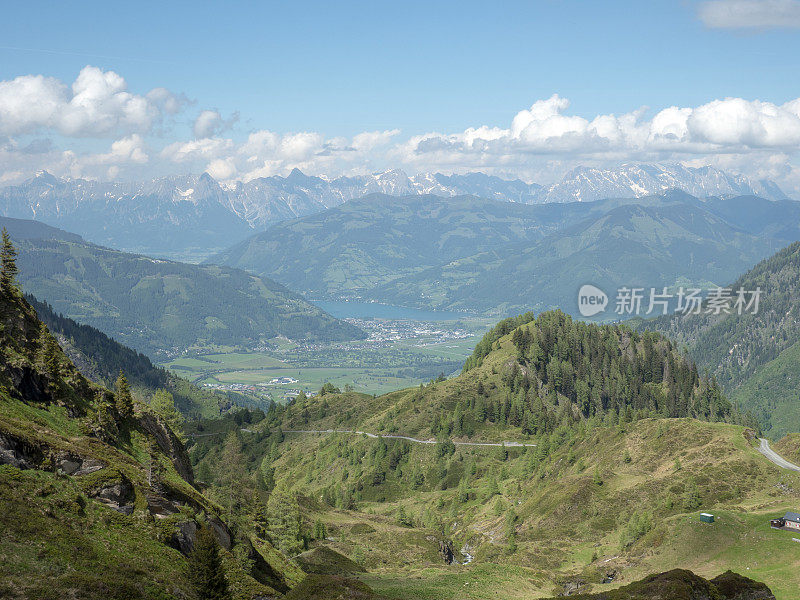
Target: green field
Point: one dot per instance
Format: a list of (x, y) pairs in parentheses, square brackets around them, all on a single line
[(371, 370)]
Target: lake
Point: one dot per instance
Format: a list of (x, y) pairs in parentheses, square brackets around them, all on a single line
[(374, 310)]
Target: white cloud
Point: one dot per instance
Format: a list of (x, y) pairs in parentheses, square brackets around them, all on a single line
[(97, 104), (750, 14), (130, 150), (210, 123), (38, 114)]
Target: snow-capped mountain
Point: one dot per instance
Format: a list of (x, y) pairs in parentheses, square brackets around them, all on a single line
[(585, 184), (192, 216)]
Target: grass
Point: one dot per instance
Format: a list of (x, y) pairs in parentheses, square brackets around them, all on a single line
[(566, 525), (259, 368), (56, 544), (490, 581)]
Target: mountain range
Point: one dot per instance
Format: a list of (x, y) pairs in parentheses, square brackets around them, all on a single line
[(160, 306), (193, 216), (501, 258)]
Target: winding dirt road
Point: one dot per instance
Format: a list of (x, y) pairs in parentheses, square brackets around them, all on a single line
[(410, 439), (775, 457)]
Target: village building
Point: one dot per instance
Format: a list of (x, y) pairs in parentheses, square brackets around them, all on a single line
[(791, 520)]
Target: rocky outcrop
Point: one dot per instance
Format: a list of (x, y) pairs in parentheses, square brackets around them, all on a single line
[(161, 507), (185, 534), (117, 495), (446, 551), (18, 453), (680, 584), (184, 537), (169, 444), (71, 464)]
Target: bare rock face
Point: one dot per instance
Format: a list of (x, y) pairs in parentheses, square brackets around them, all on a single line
[(221, 531), (117, 495), (161, 507), (184, 537), (71, 464), (18, 453), (169, 445)]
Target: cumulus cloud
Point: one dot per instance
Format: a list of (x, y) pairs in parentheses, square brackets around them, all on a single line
[(750, 14), (723, 126), (97, 104), (210, 123), (264, 153), (124, 154), (39, 114)]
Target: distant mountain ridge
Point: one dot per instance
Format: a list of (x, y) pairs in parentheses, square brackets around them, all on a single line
[(498, 258), (194, 215), (160, 306), (755, 357)]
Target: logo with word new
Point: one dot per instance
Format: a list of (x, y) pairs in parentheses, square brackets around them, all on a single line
[(591, 300)]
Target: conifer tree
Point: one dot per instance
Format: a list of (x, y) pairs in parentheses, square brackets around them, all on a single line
[(163, 404), (49, 352), (260, 521), (8, 265), (320, 531), (106, 425), (205, 567), (124, 397)]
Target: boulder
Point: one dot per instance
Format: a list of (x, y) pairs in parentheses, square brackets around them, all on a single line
[(115, 495), (18, 453)]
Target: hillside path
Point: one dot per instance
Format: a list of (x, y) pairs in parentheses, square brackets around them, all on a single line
[(775, 457), (411, 439)]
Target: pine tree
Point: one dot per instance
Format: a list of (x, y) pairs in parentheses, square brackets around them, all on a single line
[(8, 265), (106, 425), (163, 404), (260, 521), (124, 397), (320, 531), (205, 567), (49, 352), (154, 468)]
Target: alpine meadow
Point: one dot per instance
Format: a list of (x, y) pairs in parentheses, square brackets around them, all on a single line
[(412, 301)]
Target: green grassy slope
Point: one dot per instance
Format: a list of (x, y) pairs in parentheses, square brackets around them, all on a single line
[(616, 490), (158, 306), (622, 500), (95, 503)]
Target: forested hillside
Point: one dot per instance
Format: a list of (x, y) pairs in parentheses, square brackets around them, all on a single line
[(564, 455), (504, 258), (160, 307), (548, 373), (753, 356), (101, 359)]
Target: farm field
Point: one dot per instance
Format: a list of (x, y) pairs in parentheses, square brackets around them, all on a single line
[(377, 366)]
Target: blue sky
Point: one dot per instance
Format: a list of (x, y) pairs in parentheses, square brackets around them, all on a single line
[(337, 69)]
